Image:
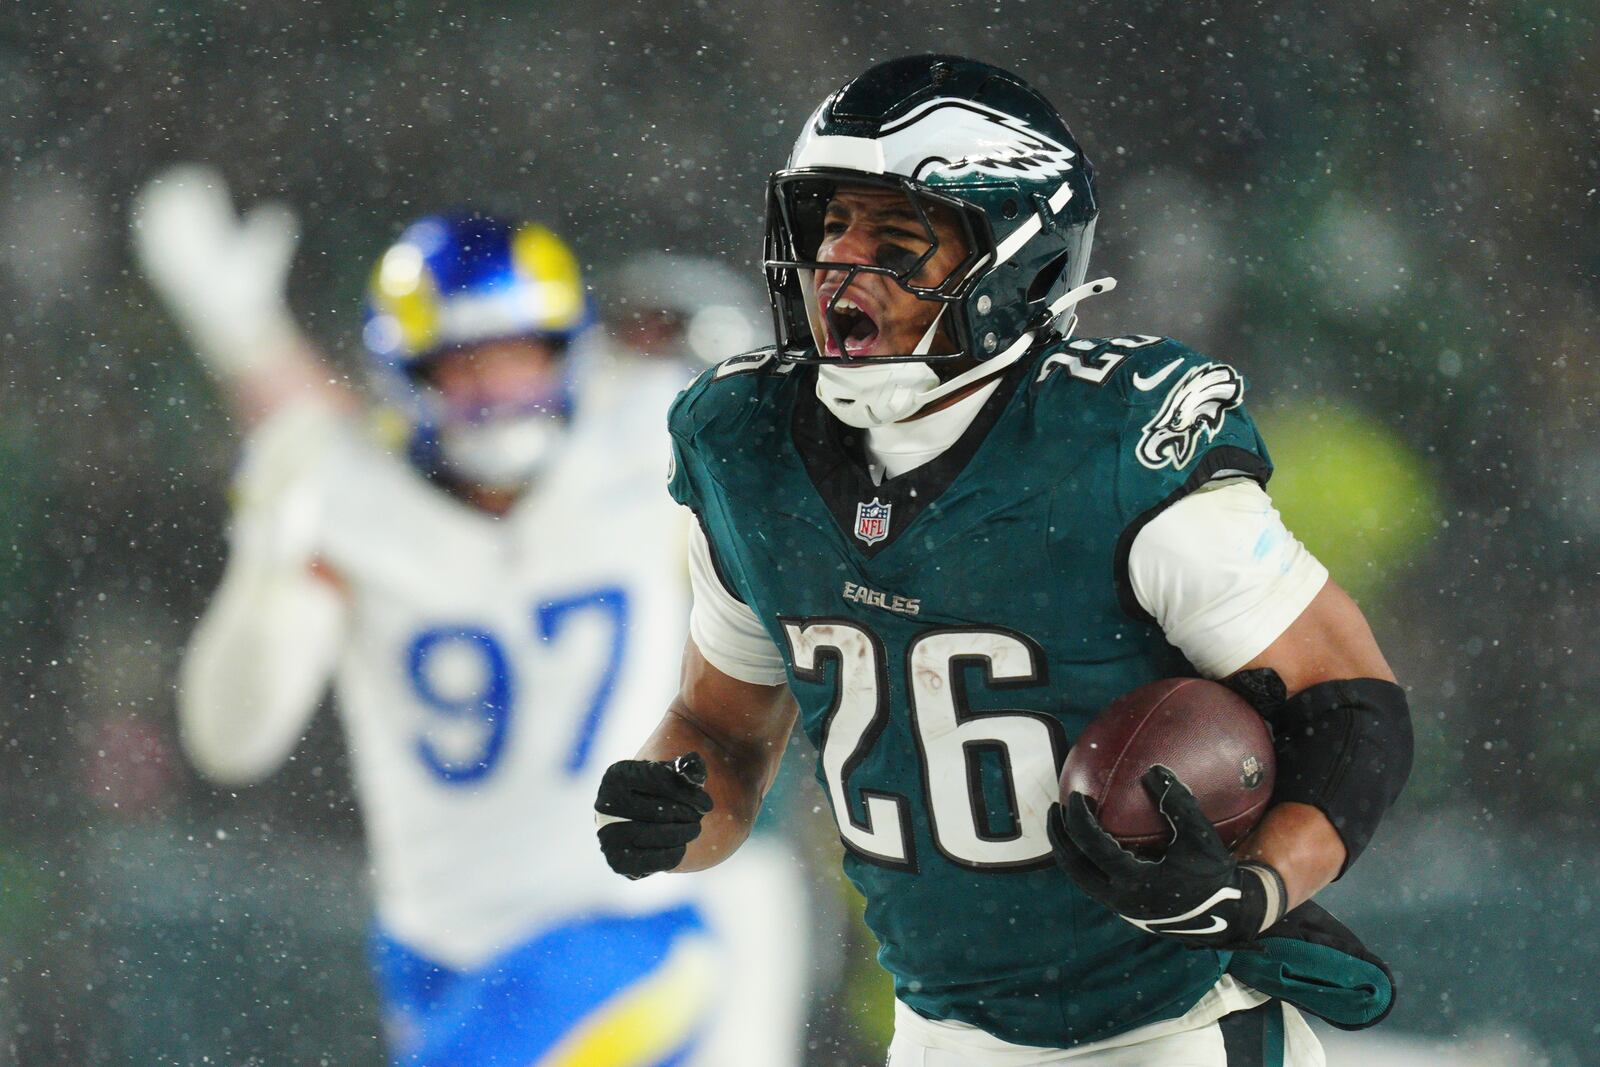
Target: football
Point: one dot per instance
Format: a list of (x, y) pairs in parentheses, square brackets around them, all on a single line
[(1208, 735)]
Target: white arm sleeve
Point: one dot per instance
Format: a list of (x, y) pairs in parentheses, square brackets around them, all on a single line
[(1222, 575), (256, 667), (723, 627), (263, 652)]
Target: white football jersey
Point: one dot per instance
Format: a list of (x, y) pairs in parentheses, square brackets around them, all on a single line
[(495, 666)]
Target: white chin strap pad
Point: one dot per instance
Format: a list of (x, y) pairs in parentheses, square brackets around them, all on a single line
[(867, 396), (874, 396)]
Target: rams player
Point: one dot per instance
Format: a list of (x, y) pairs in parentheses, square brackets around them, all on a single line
[(489, 600), (952, 532)]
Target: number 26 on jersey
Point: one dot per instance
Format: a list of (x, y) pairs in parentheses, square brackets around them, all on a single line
[(952, 742)]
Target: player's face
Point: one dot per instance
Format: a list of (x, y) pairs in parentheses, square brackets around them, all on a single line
[(874, 314), (497, 376)]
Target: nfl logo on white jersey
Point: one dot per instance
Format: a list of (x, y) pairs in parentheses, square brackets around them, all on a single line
[(872, 521)]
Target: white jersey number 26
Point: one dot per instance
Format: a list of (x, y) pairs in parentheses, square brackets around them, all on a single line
[(950, 739)]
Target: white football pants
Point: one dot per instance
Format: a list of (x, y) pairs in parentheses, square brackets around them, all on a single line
[(756, 903)]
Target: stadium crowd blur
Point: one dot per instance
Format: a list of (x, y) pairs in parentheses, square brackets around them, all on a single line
[(1386, 214)]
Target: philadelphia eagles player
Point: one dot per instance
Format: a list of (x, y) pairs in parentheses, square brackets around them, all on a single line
[(476, 588), (951, 532)]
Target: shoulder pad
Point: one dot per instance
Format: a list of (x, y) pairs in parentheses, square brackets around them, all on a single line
[(1113, 361), (1175, 399), (1175, 419), (729, 409), (726, 391)]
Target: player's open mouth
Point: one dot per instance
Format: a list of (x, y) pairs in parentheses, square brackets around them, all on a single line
[(849, 323)]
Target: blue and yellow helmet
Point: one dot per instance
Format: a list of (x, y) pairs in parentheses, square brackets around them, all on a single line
[(456, 280)]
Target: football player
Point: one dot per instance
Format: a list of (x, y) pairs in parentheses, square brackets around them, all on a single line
[(951, 532), (487, 596)]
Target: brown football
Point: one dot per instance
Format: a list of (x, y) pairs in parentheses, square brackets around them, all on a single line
[(1209, 736)]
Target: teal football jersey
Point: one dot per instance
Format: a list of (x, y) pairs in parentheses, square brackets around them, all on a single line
[(947, 634)]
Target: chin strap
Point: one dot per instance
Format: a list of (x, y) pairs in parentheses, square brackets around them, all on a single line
[(927, 338), (1067, 303), (865, 396), (977, 373), (503, 454)]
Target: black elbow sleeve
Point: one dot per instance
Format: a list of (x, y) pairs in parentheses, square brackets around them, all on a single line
[(1345, 748)]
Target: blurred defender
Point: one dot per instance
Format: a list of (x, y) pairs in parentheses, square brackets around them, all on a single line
[(490, 603)]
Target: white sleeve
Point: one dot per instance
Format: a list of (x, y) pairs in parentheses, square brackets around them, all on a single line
[(1222, 575), (256, 668), (263, 652), (723, 627)]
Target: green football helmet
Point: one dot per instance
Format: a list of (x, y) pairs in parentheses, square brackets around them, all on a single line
[(955, 137)]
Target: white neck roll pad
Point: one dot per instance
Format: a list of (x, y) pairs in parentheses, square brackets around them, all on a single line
[(866, 396)]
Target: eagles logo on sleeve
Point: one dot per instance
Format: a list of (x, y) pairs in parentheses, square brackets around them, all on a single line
[(1193, 412)]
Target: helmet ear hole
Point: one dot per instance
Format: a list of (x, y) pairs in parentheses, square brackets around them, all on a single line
[(1048, 275), (1008, 210)]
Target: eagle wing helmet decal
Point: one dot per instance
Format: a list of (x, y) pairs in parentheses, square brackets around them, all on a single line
[(990, 142), (1193, 412)]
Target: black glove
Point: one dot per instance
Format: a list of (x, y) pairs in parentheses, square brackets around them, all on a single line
[(1197, 892), (648, 811)]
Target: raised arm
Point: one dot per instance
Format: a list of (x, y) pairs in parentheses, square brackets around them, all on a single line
[(263, 652), (256, 667), (223, 278)]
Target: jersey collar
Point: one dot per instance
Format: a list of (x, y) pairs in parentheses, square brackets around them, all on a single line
[(837, 462)]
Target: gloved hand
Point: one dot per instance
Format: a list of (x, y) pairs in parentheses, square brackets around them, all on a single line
[(222, 277), (648, 811), (1196, 892)]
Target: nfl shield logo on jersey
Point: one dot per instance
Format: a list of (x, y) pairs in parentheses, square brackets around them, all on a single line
[(872, 521)]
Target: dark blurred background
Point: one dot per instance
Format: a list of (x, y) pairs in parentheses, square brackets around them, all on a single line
[(1385, 213)]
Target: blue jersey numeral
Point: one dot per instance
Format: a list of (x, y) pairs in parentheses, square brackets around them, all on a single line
[(613, 605), (492, 700)]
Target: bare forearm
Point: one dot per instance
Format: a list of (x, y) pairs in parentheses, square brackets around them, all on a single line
[(1299, 843), (295, 373), (1330, 640), (736, 777), (740, 730)]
